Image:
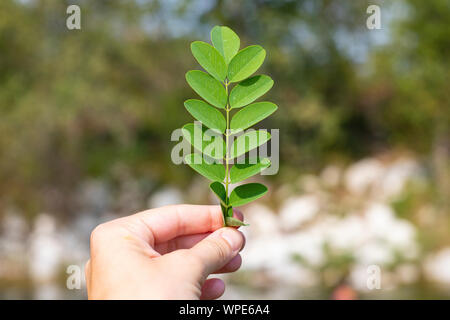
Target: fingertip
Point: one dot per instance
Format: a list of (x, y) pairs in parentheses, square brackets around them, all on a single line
[(234, 238), (238, 214), (212, 289)]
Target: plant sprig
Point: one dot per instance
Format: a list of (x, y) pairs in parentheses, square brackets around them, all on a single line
[(225, 65)]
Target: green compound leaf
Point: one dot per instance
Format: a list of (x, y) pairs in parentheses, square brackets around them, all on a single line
[(208, 115), (245, 63), (214, 172), (233, 222), (240, 172), (225, 64), (205, 140), (251, 115), (219, 190), (210, 59), (226, 42), (249, 90), (207, 87), (247, 142), (247, 193)]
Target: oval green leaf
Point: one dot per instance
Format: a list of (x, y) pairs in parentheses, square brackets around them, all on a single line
[(245, 63), (214, 171), (247, 193), (207, 141), (250, 115), (249, 90), (226, 41), (240, 172), (247, 142), (233, 222), (206, 114), (219, 190), (210, 59), (207, 87)]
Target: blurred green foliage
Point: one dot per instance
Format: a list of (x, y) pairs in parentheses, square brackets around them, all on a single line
[(103, 100)]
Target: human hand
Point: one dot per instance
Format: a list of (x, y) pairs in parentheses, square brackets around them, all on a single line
[(163, 253)]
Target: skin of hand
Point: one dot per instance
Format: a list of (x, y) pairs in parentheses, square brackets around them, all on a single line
[(163, 253)]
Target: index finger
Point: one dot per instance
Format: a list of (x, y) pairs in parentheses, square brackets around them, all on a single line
[(172, 221)]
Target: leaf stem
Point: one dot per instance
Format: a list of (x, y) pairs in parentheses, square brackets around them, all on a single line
[(227, 181)]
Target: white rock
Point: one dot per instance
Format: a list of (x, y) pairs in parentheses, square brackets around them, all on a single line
[(437, 267), (363, 176), (396, 177), (331, 176), (45, 249), (309, 245), (265, 252), (358, 277), (348, 233), (165, 197), (397, 234), (379, 218), (374, 252), (401, 234), (262, 219), (297, 211)]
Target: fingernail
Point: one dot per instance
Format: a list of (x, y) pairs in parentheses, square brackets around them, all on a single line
[(233, 237)]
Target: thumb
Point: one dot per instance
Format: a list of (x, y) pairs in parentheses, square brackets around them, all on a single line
[(216, 250)]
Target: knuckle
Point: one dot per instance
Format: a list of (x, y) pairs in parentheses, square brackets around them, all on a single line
[(99, 233), (218, 249), (192, 260)]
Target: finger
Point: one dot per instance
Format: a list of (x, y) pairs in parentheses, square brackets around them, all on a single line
[(188, 241), (238, 214), (216, 250), (182, 242), (231, 266), (212, 289), (169, 222)]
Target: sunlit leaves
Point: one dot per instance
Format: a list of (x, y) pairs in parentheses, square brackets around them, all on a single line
[(204, 140), (242, 171), (225, 41), (249, 90), (225, 64), (251, 115), (233, 222), (210, 59), (246, 193), (214, 171), (207, 87), (245, 63), (248, 141), (219, 190), (209, 116)]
